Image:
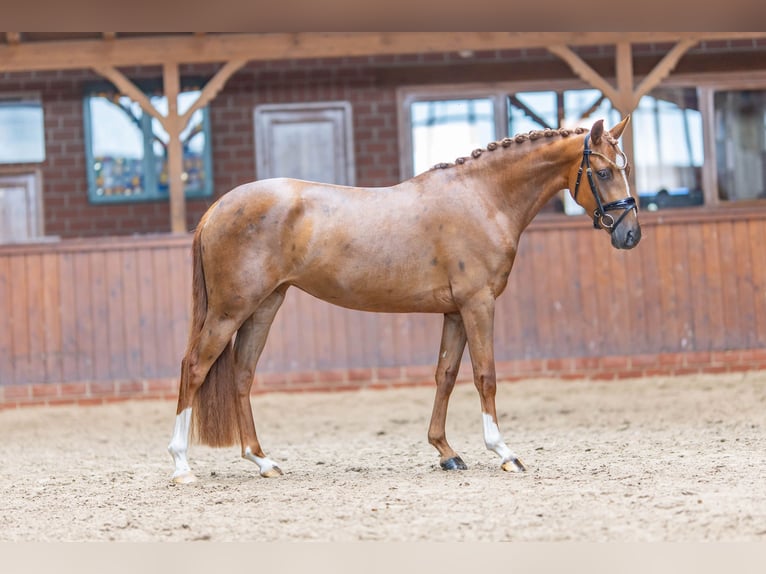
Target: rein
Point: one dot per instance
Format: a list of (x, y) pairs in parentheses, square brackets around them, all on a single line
[(601, 218)]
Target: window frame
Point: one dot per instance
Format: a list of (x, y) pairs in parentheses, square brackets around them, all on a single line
[(151, 88), (20, 97), (706, 84)]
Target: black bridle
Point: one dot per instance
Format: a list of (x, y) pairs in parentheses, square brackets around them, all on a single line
[(602, 219)]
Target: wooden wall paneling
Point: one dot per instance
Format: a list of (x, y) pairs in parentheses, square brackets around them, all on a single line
[(115, 309), (35, 318), (386, 324), (593, 324), (100, 309), (147, 312), (665, 252), (52, 312), (7, 376), (19, 318), (323, 347), (697, 296), (289, 333), (354, 337), (340, 333), (652, 291), (683, 287), (402, 339), (526, 287), (132, 319), (70, 364), (179, 284), (567, 285), (717, 335), (597, 263), (161, 287), (756, 239), (82, 283), (306, 354), (622, 322), (743, 259), (633, 303), (508, 318), (731, 300), (371, 329), (545, 268)]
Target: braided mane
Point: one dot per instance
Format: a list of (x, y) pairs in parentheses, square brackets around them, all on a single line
[(518, 138)]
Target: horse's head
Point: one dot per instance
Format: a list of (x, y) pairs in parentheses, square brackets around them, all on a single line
[(599, 183)]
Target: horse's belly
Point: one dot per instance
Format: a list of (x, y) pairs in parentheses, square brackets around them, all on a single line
[(383, 298)]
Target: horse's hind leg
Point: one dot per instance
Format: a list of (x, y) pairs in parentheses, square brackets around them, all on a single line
[(249, 343), (450, 354), (196, 364)]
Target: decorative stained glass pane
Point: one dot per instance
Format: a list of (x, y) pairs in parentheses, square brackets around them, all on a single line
[(117, 146), (127, 148)]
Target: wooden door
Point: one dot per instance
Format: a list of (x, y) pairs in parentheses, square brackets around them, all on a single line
[(310, 141), (20, 208)]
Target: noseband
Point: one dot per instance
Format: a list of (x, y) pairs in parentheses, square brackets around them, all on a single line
[(601, 218)]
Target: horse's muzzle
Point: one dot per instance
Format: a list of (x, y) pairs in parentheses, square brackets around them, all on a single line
[(626, 236)]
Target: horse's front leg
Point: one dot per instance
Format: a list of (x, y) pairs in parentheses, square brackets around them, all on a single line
[(478, 319)]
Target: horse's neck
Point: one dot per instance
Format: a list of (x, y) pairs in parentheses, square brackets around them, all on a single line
[(530, 175)]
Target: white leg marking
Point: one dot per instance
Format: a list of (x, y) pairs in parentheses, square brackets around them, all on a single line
[(266, 465), (179, 444), (494, 440)]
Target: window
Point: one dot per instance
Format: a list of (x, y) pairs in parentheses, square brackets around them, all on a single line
[(22, 135), (740, 142), (126, 149), (668, 151), (668, 148), (444, 129)]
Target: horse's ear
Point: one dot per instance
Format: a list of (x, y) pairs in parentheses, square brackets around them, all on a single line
[(617, 130), (596, 132)]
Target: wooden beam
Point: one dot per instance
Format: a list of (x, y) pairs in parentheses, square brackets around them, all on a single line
[(662, 69), (131, 90), (191, 48), (584, 71), (211, 89), (625, 101)]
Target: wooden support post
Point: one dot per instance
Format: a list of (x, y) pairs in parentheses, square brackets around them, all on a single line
[(626, 100), (173, 123), (173, 126)]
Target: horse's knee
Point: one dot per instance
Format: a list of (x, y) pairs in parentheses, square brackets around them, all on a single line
[(445, 379)]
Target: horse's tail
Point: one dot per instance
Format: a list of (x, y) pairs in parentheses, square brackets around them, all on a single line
[(214, 404)]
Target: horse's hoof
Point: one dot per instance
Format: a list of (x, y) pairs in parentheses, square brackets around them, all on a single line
[(513, 465), (184, 478), (454, 463), (272, 472)]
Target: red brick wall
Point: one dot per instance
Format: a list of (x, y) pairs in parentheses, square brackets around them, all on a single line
[(610, 368), (369, 83)]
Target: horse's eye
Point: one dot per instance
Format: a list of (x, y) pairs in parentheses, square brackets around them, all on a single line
[(603, 173)]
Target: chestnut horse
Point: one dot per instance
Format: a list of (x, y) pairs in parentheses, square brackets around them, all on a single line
[(441, 242)]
